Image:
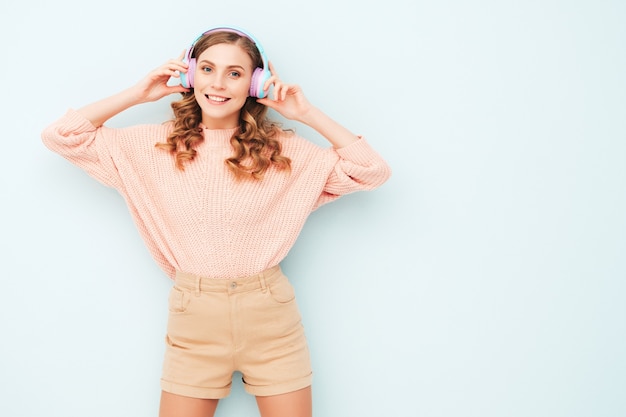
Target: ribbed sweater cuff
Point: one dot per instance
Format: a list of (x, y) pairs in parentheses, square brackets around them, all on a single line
[(74, 122)]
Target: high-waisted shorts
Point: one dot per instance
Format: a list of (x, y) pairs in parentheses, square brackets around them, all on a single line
[(218, 326)]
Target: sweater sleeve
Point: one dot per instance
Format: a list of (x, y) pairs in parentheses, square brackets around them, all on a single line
[(76, 139), (358, 168)]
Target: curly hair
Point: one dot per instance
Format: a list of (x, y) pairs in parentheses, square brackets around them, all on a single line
[(255, 147)]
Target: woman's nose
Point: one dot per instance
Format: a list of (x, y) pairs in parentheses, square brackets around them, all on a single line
[(217, 82)]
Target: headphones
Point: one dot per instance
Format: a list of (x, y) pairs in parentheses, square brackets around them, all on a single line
[(259, 75)]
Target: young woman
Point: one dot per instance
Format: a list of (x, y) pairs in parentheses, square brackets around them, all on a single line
[(219, 195)]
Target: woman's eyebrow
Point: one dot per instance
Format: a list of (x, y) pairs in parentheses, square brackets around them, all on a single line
[(228, 66)]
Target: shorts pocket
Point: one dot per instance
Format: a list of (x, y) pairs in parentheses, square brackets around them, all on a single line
[(178, 300), (282, 291)]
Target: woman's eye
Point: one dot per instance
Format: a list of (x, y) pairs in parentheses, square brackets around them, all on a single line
[(235, 74), (206, 69)]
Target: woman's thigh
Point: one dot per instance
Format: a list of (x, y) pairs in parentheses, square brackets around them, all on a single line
[(292, 404), (173, 405)]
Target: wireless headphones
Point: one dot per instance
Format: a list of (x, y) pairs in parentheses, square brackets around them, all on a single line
[(259, 75)]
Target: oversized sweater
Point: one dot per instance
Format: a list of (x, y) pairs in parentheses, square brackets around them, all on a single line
[(202, 220)]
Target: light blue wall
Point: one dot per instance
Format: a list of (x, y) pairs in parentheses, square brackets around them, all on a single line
[(486, 278)]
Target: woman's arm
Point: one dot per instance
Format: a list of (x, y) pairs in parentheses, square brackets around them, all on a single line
[(290, 102), (336, 134), (152, 88)]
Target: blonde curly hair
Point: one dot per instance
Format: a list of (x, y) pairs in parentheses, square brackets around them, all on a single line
[(255, 147)]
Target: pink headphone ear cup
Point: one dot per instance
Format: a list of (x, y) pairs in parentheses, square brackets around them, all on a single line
[(191, 72), (186, 80), (259, 77)]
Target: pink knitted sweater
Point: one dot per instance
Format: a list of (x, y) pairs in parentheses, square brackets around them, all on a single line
[(202, 220)]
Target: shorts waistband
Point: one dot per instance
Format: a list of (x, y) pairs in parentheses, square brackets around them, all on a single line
[(250, 283)]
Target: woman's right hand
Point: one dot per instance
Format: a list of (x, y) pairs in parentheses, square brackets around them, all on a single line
[(154, 86)]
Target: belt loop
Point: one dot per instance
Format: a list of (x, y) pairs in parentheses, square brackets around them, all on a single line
[(198, 280), (263, 283)]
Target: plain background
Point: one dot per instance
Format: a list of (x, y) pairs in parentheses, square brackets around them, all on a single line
[(486, 278)]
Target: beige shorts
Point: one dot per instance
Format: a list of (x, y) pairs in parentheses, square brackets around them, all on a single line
[(251, 325)]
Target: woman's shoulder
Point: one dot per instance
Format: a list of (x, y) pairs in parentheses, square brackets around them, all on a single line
[(138, 134), (291, 140)]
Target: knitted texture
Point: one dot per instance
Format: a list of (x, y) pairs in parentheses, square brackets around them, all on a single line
[(201, 220)]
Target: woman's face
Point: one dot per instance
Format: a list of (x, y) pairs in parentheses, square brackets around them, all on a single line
[(221, 84)]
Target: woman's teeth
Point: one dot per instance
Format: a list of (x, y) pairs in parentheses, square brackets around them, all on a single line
[(219, 99)]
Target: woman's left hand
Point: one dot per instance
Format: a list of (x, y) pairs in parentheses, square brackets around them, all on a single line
[(288, 99)]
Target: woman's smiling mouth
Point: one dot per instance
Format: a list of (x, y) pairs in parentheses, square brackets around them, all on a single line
[(217, 99)]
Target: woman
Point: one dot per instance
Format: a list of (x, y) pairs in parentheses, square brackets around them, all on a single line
[(219, 195)]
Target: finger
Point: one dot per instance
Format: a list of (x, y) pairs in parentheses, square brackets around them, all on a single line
[(272, 69), (283, 91), (267, 102), (168, 72), (268, 84), (278, 86), (272, 80), (172, 68), (176, 64)]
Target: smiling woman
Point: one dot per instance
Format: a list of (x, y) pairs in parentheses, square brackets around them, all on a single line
[(221, 218), (227, 71), (223, 76)]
